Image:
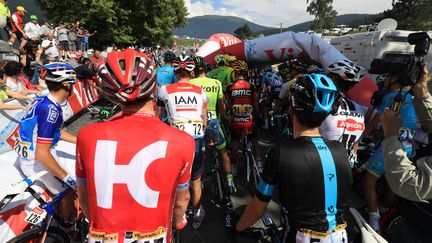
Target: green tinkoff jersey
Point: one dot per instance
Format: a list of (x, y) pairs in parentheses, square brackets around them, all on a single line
[(213, 91)]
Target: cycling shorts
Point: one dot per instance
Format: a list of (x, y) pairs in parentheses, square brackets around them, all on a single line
[(51, 182), (198, 163), (376, 162), (238, 127), (214, 133)]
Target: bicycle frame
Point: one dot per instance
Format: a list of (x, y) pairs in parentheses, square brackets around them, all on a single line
[(251, 167)]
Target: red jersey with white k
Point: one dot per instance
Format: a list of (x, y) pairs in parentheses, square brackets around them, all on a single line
[(132, 166), (346, 126), (184, 104)]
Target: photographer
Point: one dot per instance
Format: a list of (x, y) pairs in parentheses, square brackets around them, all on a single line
[(410, 180), (30, 60)]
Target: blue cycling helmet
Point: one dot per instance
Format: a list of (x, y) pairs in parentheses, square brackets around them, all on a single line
[(58, 73), (314, 93)]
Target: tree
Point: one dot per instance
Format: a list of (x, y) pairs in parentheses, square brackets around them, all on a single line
[(411, 14), (243, 32), (324, 14), (121, 22)]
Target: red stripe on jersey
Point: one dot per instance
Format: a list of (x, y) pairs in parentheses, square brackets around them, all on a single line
[(44, 140), (183, 87), (186, 109)]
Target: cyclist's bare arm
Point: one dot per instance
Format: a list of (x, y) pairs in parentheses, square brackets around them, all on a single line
[(44, 156), (67, 137), (204, 115), (371, 125), (254, 211), (83, 199), (180, 205), (160, 112), (222, 107)]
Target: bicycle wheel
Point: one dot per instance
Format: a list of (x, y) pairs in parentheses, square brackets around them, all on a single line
[(55, 235)]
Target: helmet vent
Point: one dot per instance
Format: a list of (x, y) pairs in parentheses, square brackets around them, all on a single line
[(137, 62), (122, 65), (323, 81)]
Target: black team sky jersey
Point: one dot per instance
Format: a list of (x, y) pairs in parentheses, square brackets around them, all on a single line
[(314, 181)]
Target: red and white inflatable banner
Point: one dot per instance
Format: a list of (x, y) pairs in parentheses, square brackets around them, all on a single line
[(216, 42)]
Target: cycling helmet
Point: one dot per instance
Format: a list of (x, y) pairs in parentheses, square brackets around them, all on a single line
[(220, 58), (240, 66), (127, 76), (198, 59), (58, 73), (184, 62), (169, 56), (347, 70), (313, 93), (230, 58), (298, 66), (381, 78)]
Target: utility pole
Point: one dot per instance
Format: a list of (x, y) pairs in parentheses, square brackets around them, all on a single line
[(280, 28)]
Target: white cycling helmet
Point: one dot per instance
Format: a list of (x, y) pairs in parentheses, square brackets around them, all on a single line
[(347, 70)]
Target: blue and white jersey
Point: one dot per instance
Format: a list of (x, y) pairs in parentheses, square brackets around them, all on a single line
[(41, 124), (165, 75)]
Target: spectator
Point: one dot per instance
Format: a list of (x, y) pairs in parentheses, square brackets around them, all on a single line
[(30, 60), (72, 38), (62, 36), (18, 27), (32, 28), (5, 93), (411, 180), (75, 58), (11, 71), (5, 16), (96, 58), (50, 47), (45, 29)]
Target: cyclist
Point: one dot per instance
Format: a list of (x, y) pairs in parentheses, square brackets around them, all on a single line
[(312, 173), (185, 105), (271, 83), (215, 101), (40, 130), (222, 72), (394, 84), (165, 74), (128, 178), (347, 124), (243, 103)]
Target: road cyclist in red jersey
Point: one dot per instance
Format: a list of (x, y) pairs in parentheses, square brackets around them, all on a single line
[(133, 171), (186, 105)]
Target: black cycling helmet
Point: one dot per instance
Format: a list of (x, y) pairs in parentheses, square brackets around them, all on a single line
[(200, 65), (183, 63), (298, 66), (169, 56), (198, 59)]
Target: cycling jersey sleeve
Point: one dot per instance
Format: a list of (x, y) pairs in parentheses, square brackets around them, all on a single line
[(269, 179), (161, 96), (81, 176), (189, 151), (47, 123)]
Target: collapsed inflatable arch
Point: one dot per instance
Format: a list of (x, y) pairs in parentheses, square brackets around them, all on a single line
[(216, 42), (289, 45)]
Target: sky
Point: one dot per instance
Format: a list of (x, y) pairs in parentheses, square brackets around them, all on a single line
[(272, 12)]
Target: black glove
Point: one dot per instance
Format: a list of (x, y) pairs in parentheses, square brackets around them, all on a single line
[(231, 220)]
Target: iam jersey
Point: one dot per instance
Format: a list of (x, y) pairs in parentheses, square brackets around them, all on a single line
[(41, 124), (184, 103), (241, 95), (346, 126), (132, 167)]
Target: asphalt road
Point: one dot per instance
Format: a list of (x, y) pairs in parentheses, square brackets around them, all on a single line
[(212, 229)]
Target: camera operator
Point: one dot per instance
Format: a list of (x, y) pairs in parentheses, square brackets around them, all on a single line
[(30, 60), (411, 180)]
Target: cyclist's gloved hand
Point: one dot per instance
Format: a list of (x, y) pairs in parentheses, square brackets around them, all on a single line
[(70, 181), (231, 220)]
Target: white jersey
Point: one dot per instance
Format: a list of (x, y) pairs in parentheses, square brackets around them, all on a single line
[(346, 126), (184, 104)]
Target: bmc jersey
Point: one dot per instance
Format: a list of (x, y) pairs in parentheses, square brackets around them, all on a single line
[(184, 103), (241, 95), (132, 166), (165, 75), (41, 124), (213, 91), (346, 126), (314, 183)]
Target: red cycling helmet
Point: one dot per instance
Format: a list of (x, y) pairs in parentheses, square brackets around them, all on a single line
[(127, 76)]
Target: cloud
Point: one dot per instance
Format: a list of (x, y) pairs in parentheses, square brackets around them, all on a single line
[(273, 12)]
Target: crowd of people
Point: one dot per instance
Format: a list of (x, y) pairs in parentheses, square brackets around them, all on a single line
[(173, 105)]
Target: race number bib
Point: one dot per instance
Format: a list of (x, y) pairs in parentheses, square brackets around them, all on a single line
[(309, 236), (242, 110), (22, 149), (406, 133), (36, 216), (193, 128)]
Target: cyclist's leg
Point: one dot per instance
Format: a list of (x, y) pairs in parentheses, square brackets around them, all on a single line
[(197, 171)]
